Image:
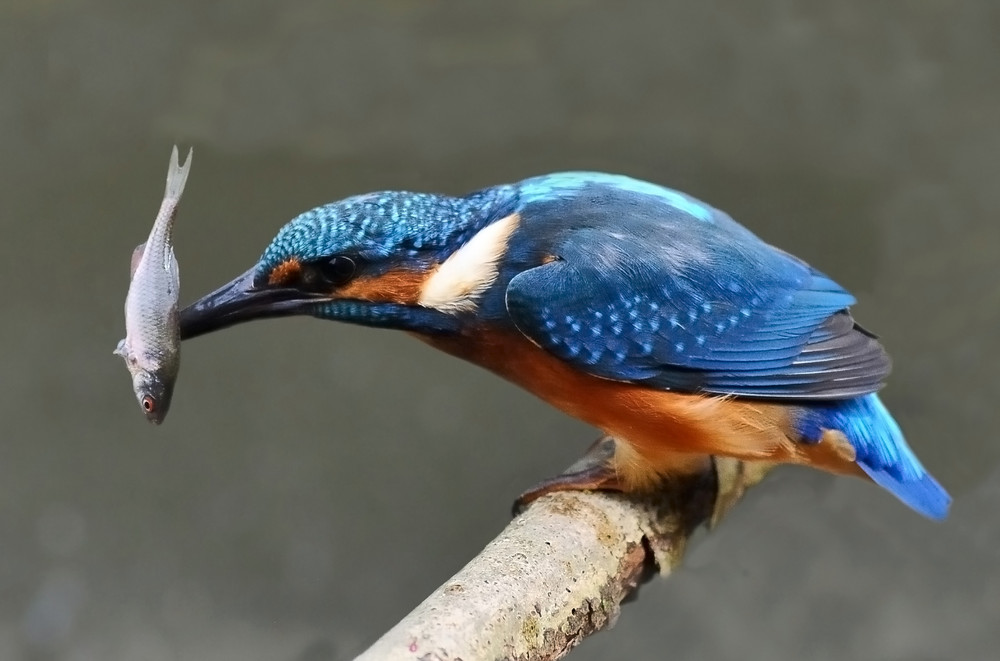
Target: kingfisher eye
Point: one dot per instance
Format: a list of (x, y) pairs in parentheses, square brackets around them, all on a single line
[(338, 270)]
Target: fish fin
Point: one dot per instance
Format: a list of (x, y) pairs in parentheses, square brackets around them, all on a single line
[(174, 270), (136, 258), (121, 349), (177, 175)]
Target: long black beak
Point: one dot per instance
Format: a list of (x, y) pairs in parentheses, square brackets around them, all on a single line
[(240, 301)]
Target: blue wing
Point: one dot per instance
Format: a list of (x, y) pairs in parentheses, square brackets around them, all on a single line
[(649, 285)]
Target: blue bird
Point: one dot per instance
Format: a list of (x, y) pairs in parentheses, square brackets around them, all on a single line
[(636, 308)]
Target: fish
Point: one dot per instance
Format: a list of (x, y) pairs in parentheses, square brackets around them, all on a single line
[(152, 343)]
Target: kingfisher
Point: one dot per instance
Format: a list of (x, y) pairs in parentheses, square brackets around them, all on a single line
[(633, 307)]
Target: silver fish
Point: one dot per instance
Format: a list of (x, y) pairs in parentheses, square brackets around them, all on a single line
[(152, 344)]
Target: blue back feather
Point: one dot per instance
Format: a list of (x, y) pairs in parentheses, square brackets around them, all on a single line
[(570, 184), (653, 286)]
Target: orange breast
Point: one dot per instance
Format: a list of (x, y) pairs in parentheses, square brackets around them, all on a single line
[(663, 432)]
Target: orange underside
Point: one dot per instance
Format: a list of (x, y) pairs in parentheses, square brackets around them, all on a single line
[(659, 432)]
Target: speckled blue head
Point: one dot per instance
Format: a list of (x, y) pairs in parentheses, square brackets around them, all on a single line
[(385, 225)]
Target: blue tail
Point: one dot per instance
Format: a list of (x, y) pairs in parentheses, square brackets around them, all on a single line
[(882, 451)]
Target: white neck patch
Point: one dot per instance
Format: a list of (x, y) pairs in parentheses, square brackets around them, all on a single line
[(464, 277)]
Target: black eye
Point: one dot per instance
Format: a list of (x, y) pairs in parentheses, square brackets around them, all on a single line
[(338, 270)]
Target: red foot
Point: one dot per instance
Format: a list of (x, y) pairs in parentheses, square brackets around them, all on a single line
[(592, 472)]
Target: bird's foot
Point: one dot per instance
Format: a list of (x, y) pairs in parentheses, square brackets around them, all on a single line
[(594, 471)]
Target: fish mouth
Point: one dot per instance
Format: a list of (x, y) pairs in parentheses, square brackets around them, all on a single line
[(155, 418), (240, 301)]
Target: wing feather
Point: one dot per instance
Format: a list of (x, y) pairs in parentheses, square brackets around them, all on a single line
[(645, 292)]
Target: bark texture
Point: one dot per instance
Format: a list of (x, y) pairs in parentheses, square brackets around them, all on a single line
[(561, 570)]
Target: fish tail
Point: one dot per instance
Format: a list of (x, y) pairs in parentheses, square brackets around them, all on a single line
[(177, 174)]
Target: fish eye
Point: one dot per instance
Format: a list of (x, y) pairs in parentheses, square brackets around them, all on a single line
[(148, 404)]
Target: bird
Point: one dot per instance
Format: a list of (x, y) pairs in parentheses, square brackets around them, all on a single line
[(637, 308)]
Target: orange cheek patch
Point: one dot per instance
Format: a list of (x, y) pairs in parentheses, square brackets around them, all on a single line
[(285, 273), (400, 286)]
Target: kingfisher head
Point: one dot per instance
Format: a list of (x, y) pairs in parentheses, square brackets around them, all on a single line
[(411, 260)]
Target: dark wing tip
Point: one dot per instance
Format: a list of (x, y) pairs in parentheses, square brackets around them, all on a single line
[(845, 360)]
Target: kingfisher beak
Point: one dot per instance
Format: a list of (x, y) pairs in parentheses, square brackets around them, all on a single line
[(240, 301)]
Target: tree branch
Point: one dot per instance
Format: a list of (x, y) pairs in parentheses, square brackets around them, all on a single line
[(561, 570)]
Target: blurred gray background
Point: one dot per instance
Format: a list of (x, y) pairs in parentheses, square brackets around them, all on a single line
[(315, 481)]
